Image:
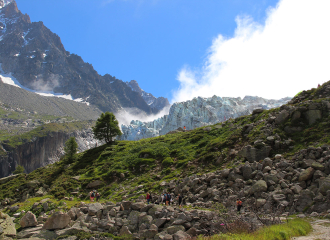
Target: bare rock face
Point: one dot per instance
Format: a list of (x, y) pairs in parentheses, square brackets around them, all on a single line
[(58, 220), (29, 220), (196, 113)]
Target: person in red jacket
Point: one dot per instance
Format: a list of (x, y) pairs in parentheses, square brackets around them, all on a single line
[(148, 198), (239, 205)]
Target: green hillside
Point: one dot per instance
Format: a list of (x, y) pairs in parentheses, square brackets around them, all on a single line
[(125, 165)]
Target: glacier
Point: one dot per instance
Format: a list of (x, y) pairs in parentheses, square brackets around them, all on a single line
[(197, 112)]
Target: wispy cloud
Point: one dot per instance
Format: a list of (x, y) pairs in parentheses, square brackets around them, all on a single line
[(126, 115), (288, 53)]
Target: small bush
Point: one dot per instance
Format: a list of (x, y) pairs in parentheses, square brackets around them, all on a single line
[(167, 162), (19, 169)]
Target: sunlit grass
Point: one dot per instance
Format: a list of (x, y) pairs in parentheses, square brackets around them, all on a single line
[(285, 231)]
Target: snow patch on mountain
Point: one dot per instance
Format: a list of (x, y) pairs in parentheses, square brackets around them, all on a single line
[(4, 3), (11, 80)]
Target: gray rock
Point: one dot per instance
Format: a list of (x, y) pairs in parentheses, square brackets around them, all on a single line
[(58, 220), (306, 174), (94, 208), (124, 231), (95, 184), (45, 235), (305, 200), (318, 166), (28, 220), (255, 154), (160, 222), (154, 209), (193, 232), (173, 229), (126, 205), (279, 197), (147, 220), (267, 162), (259, 186), (324, 186), (181, 235), (282, 117), (138, 206), (312, 116), (247, 171), (7, 225), (150, 233)]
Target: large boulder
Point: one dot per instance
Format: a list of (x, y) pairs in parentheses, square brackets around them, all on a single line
[(94, 208), (124, 231), (7, 226), (253, 154), (58, 220), (126, 205), (173, 229), (305, 200), (307, 174), (154, 209), (181, 235), (259, 186), (324, 186), (28, 220), (149, 234), (95, 184), (138, 206), (312, 116), (282, 117)]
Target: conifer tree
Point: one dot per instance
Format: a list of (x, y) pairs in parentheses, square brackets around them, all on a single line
[(106, 127), (71, 148)]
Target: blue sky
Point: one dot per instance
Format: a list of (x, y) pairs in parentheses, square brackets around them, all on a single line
[(146, 40)]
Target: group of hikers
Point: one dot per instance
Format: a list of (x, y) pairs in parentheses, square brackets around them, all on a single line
[(166, 198), (93, 194)]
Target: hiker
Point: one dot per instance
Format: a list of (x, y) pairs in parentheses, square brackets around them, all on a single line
[(92, 195), (97, 196), (148, 198), (179, 198), (168, 198), (318, 85), (184, 128), (239, 205)]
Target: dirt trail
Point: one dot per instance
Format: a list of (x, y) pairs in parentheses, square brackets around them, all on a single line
[(321, 231)]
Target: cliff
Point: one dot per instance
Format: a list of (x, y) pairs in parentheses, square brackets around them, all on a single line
[(43, 150)]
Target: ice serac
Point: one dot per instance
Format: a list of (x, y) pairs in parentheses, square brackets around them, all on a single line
[(156, 104), (197, 113)]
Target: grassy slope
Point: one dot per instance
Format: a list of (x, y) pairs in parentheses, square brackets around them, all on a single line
[(30, 102), (149, 162), (293, 228)]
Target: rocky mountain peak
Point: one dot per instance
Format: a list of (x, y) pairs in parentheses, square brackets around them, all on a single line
[(156, 104), (4, 3), (38, 61), (9, 8), (135, 86)]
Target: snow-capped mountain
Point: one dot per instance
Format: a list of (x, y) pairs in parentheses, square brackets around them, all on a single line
[(197, 113), (34, 58)]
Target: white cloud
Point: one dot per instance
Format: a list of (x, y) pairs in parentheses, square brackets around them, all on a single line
[(126, 115), (289, 53)]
